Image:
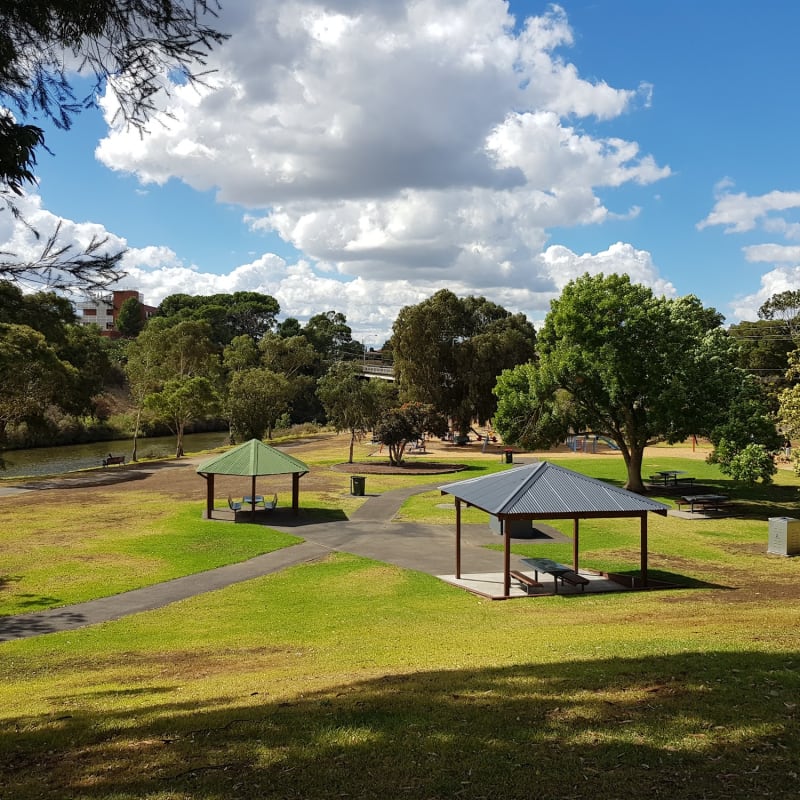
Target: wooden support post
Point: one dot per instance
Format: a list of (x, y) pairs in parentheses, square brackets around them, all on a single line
[(644, 548), (458, 538), (506, 529), (575, 545), (209, 495), (295, 493)]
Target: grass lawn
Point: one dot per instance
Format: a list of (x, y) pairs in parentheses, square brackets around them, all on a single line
[(351, 678)]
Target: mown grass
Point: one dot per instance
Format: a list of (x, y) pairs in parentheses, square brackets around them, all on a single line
[(83, 551), (351, 678)]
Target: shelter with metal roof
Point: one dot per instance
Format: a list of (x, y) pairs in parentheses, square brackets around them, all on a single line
[(252, 459), (545, 491)]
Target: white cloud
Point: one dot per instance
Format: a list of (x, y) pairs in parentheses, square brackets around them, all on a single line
[(778, 280), (432, 140), (740, 213), (772, 253)]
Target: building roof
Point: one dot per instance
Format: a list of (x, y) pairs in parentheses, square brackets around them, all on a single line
[(252, 458), (544, 490)]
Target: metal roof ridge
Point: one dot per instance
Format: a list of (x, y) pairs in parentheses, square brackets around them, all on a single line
[(536, 471)]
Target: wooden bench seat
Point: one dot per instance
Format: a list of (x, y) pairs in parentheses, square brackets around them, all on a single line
[(109, 460), (527, 582), (573, 579)]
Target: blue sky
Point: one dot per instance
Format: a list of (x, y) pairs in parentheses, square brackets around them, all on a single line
[(359, 158)]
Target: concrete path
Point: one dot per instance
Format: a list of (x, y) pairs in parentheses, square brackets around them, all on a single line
[(370, 533)]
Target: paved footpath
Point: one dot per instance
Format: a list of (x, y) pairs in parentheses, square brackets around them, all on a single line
[(370, 532)]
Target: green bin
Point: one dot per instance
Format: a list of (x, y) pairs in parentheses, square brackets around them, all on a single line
[(509, 455), (357, 485)]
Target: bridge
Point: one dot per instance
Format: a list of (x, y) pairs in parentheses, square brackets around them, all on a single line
[(381, 372)]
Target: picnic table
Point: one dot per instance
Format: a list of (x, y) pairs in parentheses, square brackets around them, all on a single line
[(560, 572), (703, 502), (670, 477)]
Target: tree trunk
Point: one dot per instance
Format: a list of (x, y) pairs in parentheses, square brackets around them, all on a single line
[(136, 433), (179, 445), (352, 443), (633, 462)]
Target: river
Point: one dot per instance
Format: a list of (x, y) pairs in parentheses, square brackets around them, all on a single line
[(72, 457)]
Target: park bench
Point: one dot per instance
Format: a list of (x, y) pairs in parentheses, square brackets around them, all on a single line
[(109, 460), (260, 502), (703, 502), (527, 582)]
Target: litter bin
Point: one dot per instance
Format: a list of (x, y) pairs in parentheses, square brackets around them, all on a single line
[(784, 536), (509, 455), (357, 485)]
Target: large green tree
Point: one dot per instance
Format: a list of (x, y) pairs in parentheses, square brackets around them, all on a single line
[(130, 320), (33, 376), (256, 399), (166, 351), (131, 47), (228, 315), (448, 351), (616, 360)]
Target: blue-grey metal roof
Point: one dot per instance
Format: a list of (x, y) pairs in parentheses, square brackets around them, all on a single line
[(545, 490)]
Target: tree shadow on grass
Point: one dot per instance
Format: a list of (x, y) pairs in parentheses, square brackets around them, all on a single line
[(713, 725)]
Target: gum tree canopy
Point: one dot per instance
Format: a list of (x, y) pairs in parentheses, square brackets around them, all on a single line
[(448, 351), (620, 362)]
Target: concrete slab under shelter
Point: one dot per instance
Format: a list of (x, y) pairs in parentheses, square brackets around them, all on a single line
[(490, 585)]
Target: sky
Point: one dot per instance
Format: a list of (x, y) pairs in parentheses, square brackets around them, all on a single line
[(358, 156)]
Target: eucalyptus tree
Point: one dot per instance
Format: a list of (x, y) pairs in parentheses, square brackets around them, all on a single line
[(616, 360), (165, 352), (448, 351), (181, 401), (256, 399)]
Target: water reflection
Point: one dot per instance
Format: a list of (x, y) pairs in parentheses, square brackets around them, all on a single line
[(69, 458)]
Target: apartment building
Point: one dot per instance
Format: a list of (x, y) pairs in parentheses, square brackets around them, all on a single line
[(102, 309)]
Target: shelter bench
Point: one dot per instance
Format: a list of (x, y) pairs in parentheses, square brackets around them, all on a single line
[(260, 502), (109, 460), (527, 582)]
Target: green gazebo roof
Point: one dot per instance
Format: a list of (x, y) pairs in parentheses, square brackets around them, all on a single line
[(250, 459)]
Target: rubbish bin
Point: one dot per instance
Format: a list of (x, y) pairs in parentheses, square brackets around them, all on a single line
[(509, 455), (357, 485), (784, 536)]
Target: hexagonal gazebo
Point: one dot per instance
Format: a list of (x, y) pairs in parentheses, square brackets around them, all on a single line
[(252, 459)]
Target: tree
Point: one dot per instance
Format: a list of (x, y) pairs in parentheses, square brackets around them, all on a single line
[(331, 336), (182, 401), (449, 351), (256, 399), (789, 402), (351, 402), (132, 47), (785, 308), (748, 464), (228, 315), (400, 426), (764, 349), (747, 420), (620, 362), (163, 352), (33, 375), (130, 319)]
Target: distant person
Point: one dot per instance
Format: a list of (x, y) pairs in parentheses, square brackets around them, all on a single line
[(787, 449)]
